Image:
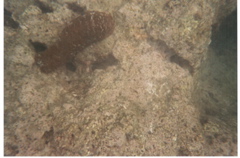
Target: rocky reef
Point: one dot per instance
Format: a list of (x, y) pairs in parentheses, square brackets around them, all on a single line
[(160, 84)]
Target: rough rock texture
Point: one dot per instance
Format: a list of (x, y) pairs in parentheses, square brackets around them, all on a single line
[(154, 87)]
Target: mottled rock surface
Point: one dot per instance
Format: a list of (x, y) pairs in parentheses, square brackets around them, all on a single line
[(155, 87)]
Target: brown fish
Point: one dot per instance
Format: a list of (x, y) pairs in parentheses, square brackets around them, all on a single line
[(83, 31)]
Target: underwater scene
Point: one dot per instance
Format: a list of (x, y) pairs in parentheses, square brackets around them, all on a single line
[(120, 78)]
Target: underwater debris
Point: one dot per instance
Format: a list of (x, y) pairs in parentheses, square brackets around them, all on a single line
[(83, 31)]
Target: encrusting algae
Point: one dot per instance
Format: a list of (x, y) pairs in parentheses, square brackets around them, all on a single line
[(83, 31)]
